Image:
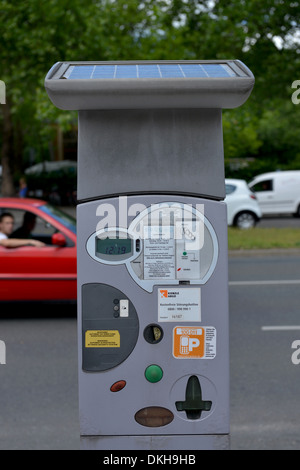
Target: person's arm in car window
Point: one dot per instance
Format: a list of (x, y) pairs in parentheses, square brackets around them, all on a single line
[(16, 243)]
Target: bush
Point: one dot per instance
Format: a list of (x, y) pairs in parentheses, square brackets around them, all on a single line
[(57, 187)]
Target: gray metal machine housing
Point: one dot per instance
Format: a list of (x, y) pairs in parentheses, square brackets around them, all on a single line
[(152, 311)]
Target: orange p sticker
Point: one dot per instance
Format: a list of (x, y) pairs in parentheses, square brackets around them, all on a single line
[(194, 342)]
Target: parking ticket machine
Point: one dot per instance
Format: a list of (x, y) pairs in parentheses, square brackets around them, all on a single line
[(152, 249)]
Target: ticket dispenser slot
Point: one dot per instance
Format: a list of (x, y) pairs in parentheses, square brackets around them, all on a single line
[(193, 404)]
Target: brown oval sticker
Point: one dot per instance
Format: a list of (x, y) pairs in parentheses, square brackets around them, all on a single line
[(154, 416)]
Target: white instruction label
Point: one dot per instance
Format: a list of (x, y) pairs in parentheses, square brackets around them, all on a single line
[(159, 252), (179, 304)]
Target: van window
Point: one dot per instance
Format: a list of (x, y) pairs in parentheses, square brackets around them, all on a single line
[(265, 185)]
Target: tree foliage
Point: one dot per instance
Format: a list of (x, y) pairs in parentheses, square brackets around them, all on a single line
[(264, 35)]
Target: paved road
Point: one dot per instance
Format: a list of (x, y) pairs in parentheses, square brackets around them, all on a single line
[(38, 385), (279, 222), (264, 322)]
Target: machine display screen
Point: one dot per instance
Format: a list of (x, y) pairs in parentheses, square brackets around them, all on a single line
[(113, 246)]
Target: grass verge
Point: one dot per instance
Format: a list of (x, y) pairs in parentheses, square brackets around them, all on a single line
[(263, 238)]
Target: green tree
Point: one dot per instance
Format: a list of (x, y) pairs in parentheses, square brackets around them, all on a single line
[(34, 35), (38, 33)]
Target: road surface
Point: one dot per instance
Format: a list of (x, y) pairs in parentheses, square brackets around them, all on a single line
[(38, 384)]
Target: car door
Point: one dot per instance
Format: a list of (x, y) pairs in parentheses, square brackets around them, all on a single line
[(264, 191), (38, 273)]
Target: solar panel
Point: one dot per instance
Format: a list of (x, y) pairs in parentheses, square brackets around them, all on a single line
[(136, 71)]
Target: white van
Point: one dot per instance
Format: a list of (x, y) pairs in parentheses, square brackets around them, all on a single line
[(278, 192)]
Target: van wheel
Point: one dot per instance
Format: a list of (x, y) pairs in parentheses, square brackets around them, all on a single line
[(297, 213), (245, 220)]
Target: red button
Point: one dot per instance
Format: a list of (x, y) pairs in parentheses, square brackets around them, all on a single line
[(117, 386)]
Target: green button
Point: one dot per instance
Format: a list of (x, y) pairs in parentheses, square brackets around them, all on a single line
[(184, 253), (153, 373)]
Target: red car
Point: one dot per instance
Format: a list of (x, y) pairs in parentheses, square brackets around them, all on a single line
[(45, 273)]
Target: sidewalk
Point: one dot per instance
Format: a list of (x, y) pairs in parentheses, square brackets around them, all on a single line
[(269, 252)]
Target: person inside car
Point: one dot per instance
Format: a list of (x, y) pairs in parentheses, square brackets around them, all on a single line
[(6, 229), (29, 221)]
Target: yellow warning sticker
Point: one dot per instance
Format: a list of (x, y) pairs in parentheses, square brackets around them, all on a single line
[(102, 339)]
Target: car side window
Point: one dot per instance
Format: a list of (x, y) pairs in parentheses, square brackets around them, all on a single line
[(28, 225), (265, 185), (43, 231), (16, 213), (230, 188)]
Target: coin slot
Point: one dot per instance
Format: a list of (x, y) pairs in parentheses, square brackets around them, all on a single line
[(153, 333)]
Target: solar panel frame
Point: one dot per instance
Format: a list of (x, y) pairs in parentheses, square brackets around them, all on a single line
[(157, 70), (77, 85)]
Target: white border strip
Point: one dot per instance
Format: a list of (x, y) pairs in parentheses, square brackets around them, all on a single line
[(281, 328), (265, 283)]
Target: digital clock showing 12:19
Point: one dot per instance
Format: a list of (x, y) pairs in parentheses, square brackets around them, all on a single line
[(113, 246)]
